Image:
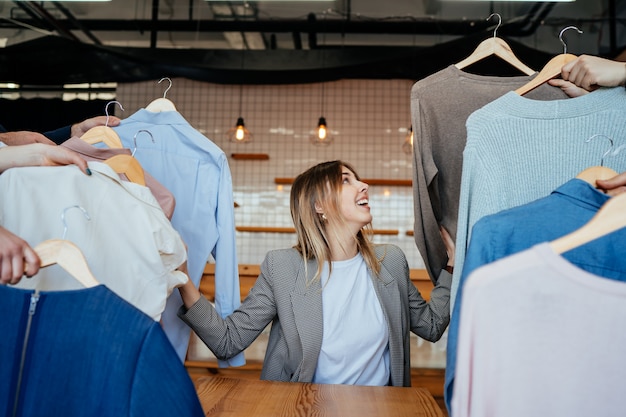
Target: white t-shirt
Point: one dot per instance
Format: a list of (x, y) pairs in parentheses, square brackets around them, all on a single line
[(355, 344)]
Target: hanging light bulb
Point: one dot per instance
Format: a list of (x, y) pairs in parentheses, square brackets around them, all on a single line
[(407, 146), (321, 136), (239, 133)]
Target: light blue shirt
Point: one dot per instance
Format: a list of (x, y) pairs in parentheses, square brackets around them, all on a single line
[(196, 171), (355, 343)]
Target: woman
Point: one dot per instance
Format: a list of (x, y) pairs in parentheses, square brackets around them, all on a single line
[(341, 308)]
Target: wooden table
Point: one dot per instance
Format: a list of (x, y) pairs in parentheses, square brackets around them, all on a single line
[(221, 396)]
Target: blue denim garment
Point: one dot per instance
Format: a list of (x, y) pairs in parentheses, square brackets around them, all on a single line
[(565, 210), (89, 353)]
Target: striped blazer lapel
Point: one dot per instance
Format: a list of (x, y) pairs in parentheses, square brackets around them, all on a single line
[(389, 295), (307, 309)]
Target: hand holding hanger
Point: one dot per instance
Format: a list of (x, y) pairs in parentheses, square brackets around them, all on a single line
[(613, 186), (17, 258), (552, 69), (79, 129), (104, 133), (586, 73)]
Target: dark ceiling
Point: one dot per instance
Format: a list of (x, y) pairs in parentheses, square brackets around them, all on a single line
[(281, 41)]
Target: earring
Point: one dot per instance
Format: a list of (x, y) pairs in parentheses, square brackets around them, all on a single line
[(324, 217)]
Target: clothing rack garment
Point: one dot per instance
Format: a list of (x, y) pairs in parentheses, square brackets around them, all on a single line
[(540, 336), (129, 243), (196, 171), (510, 231), (439, 113), (91, 153), (87, 352), (519, 150)]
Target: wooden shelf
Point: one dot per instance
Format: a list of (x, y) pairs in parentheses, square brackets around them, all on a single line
[(369, 181), (250, 156), (264, 229)]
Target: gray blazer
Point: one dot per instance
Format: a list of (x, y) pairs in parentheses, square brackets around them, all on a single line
[(283, 296)]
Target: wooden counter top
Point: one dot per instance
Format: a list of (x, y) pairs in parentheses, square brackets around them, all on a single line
[(221, 396)]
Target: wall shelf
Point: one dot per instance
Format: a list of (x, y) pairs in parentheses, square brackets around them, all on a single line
[(250, 156), (266, 229), (369, 181)]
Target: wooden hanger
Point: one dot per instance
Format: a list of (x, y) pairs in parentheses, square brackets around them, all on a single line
[(599, 172), (552, 69), (69, 257), (129, 166), (104, 133), (495, 46), (162, 104), (609, 218), (592, 174)]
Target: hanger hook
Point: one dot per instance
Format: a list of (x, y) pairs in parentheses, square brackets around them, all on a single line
[(106, 110), (168, 88), (561, 36), (63, 217), (135, 139), (608, 150), (495, 31)]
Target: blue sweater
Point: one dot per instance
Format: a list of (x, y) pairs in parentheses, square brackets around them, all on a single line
[(519, 150)]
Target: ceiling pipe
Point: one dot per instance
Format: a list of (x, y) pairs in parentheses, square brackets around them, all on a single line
[(408, 27), (43, 15), (76, 22)]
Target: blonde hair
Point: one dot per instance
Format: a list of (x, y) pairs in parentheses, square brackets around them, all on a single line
[(321, 185)]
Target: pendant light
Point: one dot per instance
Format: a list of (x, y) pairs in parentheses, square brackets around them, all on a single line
[(321, 136), (239, 133)]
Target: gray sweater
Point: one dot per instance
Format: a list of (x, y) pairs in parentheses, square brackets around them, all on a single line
[(440, 106)]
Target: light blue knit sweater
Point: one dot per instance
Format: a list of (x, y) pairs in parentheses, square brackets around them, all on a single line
[(519, 150)]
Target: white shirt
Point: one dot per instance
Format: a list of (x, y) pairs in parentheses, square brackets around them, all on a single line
[(355, 344), (129, 244)]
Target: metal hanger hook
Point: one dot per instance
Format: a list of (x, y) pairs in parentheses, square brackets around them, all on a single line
[(561, 36), (63, 217), (608, 150), (495, 31), (168, 88), (106, 110), (135, 139)]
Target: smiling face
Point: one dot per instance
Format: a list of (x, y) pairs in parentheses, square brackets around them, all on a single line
[(354, 200)]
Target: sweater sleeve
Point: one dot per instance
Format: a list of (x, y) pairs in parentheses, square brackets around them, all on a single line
[(59, 135)]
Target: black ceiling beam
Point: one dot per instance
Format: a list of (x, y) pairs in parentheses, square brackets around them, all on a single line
[(407, 27)]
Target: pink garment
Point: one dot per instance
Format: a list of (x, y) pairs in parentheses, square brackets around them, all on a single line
[(539, 336), (91, 153)]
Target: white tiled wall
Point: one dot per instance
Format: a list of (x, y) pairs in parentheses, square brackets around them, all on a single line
[(367, 118)]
